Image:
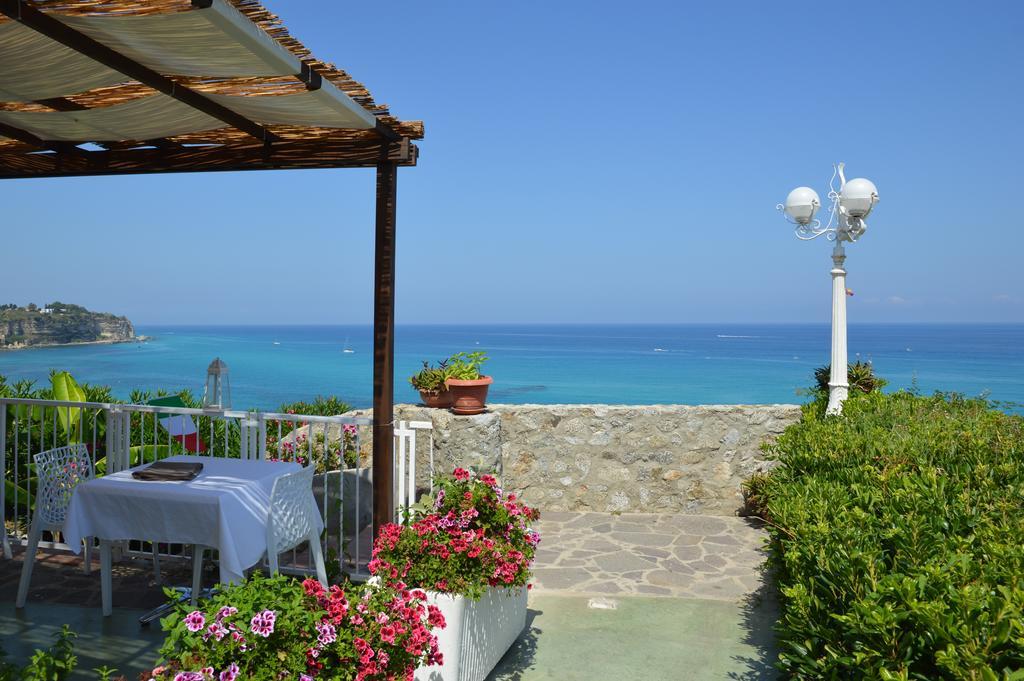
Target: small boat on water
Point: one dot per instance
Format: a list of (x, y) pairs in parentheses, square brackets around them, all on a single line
[(277, 342), (348, 348)]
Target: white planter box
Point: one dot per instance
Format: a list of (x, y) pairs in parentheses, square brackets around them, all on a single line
[(477, 634)]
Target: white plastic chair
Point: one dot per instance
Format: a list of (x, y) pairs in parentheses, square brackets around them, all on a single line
[(59, 471), (291, 520)]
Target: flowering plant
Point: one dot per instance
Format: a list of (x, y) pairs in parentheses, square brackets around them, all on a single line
[(326, 454), (279, 628), (473, 536)]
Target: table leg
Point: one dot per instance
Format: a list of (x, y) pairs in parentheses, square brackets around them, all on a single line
[(105, 580)]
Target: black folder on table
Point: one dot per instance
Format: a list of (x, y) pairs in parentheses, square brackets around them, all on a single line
[(169, 471)]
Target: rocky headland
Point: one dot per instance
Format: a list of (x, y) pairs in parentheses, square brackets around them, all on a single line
[(60, 324)]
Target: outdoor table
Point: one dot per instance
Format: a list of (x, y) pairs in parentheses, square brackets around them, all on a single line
[(224, 508)]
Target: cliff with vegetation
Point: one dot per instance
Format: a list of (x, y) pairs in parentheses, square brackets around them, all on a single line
[(59, 324)]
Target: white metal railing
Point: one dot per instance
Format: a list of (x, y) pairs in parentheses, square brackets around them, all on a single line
[(119, 436)]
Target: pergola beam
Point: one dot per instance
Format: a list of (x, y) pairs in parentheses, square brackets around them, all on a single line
[(288, 155), (54, 29)]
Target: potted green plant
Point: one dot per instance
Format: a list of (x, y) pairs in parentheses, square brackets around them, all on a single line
[(430, 381), (468, 387)]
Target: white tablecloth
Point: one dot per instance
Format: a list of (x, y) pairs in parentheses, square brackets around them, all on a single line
[(224, 508)]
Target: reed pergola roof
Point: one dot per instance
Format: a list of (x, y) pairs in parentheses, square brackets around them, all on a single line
[(95, 87), (113, 87)]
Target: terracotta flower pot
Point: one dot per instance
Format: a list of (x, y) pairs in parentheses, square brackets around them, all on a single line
[(437, 399), (469, 397)]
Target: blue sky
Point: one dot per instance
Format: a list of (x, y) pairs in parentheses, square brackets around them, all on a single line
[(589, 162)]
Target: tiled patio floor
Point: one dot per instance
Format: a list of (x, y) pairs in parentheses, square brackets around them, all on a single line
[(682, 556), (631, 596)]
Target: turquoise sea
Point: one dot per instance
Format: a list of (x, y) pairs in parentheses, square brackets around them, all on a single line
[(618, 364)]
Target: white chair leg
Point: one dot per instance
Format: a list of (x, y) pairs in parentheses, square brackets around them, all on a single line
[(318, 559), (197, 573), (272, 566), (157, 577), (30, 559), (87, 561), (7, 543), (106, 597)]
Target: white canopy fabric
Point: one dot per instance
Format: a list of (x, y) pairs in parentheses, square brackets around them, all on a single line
[(201, 42), (35, 67), (217, 42), (142, 119)]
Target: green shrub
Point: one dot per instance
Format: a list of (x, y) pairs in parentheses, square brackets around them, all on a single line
[(896, 533), (860, 375)]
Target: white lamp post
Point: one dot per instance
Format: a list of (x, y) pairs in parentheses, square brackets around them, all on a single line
[(217, 393), (851, 204)]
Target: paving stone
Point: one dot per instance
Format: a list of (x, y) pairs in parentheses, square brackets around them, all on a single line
[(703, 525), (687, 553), (673, 565), (722, 539), (687, 540), (670, 579), (715, 560), (585, 520), (623, 561), (560, 578), (650, 552), (600, 545), (643, 538)]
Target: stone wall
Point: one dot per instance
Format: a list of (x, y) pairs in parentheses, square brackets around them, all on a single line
[(664, 458)]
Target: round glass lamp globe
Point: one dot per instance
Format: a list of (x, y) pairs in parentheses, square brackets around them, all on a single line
[(858, 197), (801, 205)]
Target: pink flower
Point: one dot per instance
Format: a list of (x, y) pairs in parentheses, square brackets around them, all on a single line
[(262, 624), (312, 587), (461, 474), (226, 611), (229, 674), (434, 617), (188, 676), (195, 621), (327, 633), (217, 630), (387, 634)]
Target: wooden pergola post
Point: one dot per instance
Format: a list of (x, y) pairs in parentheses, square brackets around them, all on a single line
[(384, 347)]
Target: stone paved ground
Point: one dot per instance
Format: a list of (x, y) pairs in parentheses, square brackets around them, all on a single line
[(641, 596), (682, 556)]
